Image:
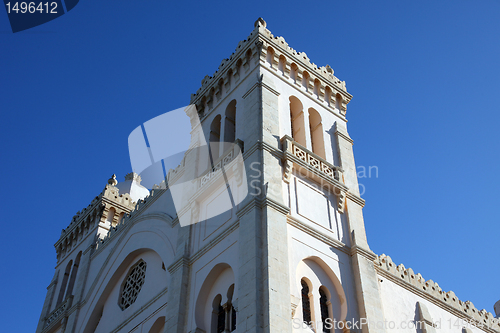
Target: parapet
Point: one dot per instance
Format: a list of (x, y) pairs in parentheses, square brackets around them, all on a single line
[(447, 300), (96, 212), (261, 45)]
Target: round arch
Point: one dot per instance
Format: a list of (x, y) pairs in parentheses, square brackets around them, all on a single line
[(325, 278), (219, 282)]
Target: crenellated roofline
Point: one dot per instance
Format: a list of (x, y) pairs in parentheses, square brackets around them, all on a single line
[(430, 290), (88, 218), (260, 45)]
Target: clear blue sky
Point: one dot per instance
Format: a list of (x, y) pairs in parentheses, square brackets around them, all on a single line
[(425, 80)]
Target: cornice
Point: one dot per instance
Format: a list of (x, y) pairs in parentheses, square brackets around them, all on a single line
[(340, 131), (357, 250), (260, 84), (251, 204), (174, 267), (319, 235), (278, 206), (356, 199)]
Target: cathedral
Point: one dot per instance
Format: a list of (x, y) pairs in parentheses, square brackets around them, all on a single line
[(259, 228)]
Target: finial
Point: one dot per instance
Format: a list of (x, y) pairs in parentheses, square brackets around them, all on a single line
[(112, 181), (260, 22), (329, 69)]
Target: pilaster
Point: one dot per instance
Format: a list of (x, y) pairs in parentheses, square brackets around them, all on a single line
[(178, 291), (365, 276), (48, 302), (276, 293)]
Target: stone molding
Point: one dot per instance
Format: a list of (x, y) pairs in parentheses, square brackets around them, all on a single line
[(430, 290), (319, 235), (277, 206), (247, 207), (260, 84), (174, 267), (142, 309), (341, 132), (356, 199), (357, 250)]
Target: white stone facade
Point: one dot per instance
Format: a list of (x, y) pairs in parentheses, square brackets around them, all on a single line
[(294, 248)]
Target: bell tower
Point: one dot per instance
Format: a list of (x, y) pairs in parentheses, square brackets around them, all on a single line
[(302, 248)]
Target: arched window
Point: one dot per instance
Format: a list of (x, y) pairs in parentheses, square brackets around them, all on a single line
[(218, 315), (317, 87), (321, 293), (305, 80), (293, 72), (230, 123), (316, 129), (323, 304), (223, 315), (306, 304), (64, 283), (270, 56), (120, 217), (74, 272), (328, 95), (231, 316), (297, 121), (215, 138), (338, 101), (218, 290), (111, 215), (282, 64), (221, 319)]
